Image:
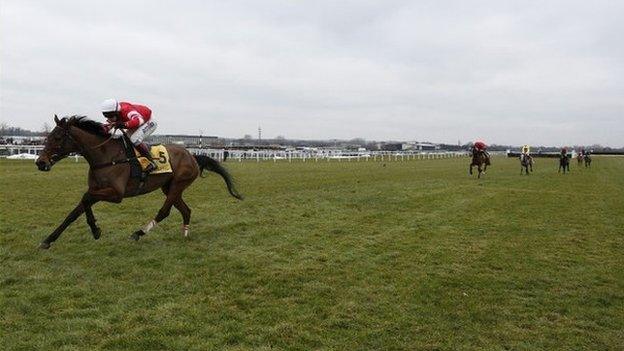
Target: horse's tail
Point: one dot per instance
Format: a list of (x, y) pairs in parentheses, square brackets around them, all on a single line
[(212, 165)]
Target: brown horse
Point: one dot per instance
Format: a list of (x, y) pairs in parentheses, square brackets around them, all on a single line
[(588, 160), (481, 160), (526, 163), (564, 163), (110, 173)]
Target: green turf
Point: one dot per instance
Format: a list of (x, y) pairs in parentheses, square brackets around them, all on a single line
[(322, 256)]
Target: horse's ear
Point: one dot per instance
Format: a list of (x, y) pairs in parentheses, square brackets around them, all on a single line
[(56, 120)]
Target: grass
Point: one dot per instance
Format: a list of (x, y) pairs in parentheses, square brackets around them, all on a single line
[(411, 255)]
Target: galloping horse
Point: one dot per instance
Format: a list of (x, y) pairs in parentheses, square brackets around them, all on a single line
[(481, 160), (110, 173), (579, 158), (564, 163), (526, 163), (588, 160)]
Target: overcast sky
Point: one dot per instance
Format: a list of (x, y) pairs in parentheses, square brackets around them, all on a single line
[(537, 72)]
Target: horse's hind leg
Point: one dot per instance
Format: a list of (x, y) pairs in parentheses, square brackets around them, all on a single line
[(174, 193), (185, 211), (186, 215), (162, 214)]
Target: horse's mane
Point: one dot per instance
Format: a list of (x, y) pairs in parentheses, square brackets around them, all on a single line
[(88, 125)]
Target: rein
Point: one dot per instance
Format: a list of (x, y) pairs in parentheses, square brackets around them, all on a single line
[(106, 164), (102, 143), (117, 162)]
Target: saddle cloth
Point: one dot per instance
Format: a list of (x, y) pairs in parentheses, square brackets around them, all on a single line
[(160, 156)]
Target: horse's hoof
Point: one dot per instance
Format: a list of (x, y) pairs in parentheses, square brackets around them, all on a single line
[(44, 246), (96, 233), (137, 235)]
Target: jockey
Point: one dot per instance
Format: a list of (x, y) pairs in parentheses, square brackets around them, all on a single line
[(479, 146), (137, 119), (564, 151), (526, 150)]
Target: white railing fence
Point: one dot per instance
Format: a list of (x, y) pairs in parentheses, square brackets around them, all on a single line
[(336, 156), (289, 155)]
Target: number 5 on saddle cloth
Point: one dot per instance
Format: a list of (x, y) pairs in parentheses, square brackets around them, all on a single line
[(161, 157), (138, 164)]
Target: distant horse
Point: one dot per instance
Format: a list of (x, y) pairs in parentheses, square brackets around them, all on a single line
[(564, 163), (579, 158), (110, 173), (526, 163), (588, 160), (481, 160)]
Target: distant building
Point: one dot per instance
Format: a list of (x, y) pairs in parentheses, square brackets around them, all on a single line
[(410, 146), (186, 140), (418, 146), (391, 146)]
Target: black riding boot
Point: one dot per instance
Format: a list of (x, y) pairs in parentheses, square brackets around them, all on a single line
[(144, 151)]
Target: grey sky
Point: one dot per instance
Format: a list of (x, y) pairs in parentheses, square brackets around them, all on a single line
[(538, 72)]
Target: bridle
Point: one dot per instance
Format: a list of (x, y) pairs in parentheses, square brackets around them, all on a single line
[(67, 137)]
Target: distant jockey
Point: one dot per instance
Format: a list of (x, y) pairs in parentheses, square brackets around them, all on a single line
[(137, 119), (526, 150), (564, 152), (479, 146)]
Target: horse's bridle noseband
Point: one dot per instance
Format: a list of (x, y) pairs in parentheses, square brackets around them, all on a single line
[(67, 136)]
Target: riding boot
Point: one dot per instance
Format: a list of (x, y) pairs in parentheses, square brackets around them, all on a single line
[(144, 151)]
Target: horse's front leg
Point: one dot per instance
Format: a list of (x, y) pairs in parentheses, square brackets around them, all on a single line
[(71, 217), (470, 169), (88, 201)]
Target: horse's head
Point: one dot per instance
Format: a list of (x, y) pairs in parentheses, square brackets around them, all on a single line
[(58, 145)]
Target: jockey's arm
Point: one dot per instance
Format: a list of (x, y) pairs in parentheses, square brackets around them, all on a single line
[(135, 119)]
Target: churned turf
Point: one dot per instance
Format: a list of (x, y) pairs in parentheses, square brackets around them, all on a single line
[(322, 256)]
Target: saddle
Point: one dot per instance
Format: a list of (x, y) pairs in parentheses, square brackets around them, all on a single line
[(138, 163)]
